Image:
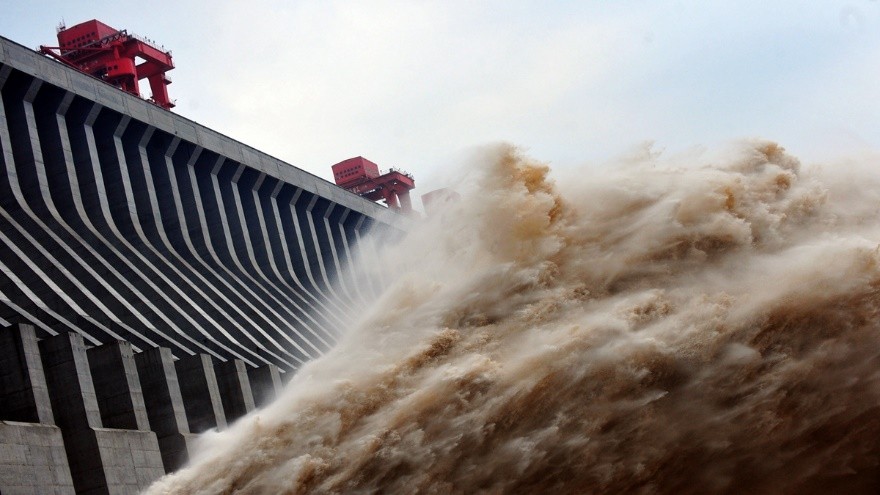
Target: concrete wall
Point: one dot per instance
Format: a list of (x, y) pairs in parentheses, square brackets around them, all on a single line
[(33, 459), (122, 221), (157, 279)]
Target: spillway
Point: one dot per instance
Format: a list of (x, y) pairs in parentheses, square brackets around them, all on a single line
[(135, 246)]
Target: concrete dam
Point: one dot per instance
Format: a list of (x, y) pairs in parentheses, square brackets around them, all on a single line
[(157, 279)]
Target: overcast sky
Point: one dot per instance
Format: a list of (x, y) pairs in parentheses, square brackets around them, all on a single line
[(416, 85)]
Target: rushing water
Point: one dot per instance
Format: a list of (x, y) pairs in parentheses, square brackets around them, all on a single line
[(693, 326)]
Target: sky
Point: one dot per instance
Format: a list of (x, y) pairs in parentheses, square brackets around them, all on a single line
[(418, 85)]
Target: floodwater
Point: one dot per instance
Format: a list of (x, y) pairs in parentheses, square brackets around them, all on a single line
[(682, 325)]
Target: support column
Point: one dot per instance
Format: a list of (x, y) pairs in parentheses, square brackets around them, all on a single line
[(235, 389), (32, 455), (164, 405), (117, 386), (70, 382), (23, 393), (73, 399), (198, 386), (93, 451), (265, 384)]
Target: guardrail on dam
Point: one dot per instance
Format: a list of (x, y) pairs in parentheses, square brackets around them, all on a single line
[(151, 271)]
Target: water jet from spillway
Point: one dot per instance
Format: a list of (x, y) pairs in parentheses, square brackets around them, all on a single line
[(655, 329)]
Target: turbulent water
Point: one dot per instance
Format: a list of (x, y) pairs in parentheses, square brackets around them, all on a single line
[(692, 325)]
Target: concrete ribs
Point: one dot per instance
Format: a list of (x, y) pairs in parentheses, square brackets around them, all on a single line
[(122, 221)]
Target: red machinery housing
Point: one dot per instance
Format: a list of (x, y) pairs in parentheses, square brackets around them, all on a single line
[(361, 176), (110, 54)]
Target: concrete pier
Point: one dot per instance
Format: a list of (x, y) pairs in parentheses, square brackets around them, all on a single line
[(101, 460), (108, 438), (32, 454), (23, 393), (164, 404), (118, 387), (198, 384), (235, 389), (265, 384)]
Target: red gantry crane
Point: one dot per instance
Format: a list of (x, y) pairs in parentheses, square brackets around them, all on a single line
[(112, 55), (362, 177)]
